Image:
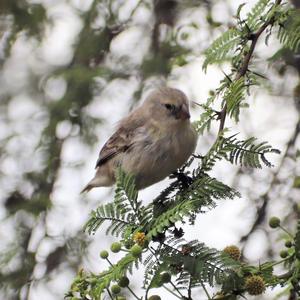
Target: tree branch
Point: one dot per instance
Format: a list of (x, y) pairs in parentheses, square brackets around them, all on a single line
[(261, 212), (244, 67)]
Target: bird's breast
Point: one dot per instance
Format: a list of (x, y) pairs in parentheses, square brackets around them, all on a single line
[(154, 157)]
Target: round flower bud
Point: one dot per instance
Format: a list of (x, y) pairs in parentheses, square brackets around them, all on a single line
[(104, 254), (274, 222), (93, 281), (255, 285), (283, 253), (115, 247), (140, 238), (136, 250), (123, 282), (165, 277), (233, 251), (154, 297), (288, 244), (115, 289)]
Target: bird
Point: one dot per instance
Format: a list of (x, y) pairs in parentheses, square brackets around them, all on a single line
[(151, 143)]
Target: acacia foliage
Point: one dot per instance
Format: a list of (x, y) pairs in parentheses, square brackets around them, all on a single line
[(155, 227)]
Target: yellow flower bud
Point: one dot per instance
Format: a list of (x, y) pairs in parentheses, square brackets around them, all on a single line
[(233, 251), (255, 285), (139, 238)]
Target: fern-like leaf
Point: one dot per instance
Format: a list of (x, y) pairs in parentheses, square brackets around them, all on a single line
[(92, 286), (204, 122), (221, 47), (108, 212), (289, 30), (254, 17), (202, 192), (217, 152), (172, 215), (234, 95), (126, 194), (248, 153), (204, 264)]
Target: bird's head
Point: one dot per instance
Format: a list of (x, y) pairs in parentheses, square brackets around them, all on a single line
[(168, 105)]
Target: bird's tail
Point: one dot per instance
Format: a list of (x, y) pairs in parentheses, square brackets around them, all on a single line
[(87, 188), (96, 182)]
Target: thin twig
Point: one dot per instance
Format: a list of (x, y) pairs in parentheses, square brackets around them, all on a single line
[(174, 286), (276, 263), (110, 295), (286, 231), (133, 293), (205, 290), (286, 275), (130, 290), (244, 67), (170, 291), (190, 289), (179, 252), (261, 212)]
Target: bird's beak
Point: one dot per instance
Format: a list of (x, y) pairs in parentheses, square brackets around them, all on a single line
[(184, 113)]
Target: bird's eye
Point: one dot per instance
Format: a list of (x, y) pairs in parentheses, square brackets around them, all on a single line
[(169, 106)]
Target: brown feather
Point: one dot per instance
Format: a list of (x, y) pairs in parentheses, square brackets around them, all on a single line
[(116, 144), (120, 141)]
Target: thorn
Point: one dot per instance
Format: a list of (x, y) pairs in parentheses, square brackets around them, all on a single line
[(227, 76)]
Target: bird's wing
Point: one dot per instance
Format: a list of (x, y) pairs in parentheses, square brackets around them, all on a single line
[(119, 142)]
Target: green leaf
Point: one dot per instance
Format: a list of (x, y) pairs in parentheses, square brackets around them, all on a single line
[(254, 17), (234, 95), (221, 48), (289, 29)]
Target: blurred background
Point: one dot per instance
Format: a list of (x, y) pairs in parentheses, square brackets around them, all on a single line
[(69, 70)]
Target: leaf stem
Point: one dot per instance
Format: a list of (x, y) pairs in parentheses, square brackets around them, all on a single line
[(177, 290), (205, 290), (190, 289), (277, 263), (133, 293), (109, 262), (286, 231), (173, 285), (244, 67), (170, 291), (110, 295)]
